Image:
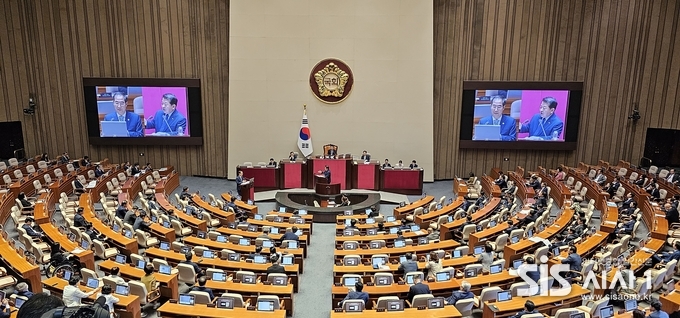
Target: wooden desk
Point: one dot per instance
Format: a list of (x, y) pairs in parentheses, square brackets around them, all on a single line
[(195, 241), (124, 244), (177, 310), (490, 187), (404, 181), (445, 228), (168, 283), (424, 220), (225, 217), (174, 258), (637, 261), (168, 183), (366, 175), (252, 209), (251, 291), (303, 239), (305, 228), (401, 212), (266, 178), (460, 187), (127, 307), (671, 303), (544, 304), (395, 252), (368, 271), (133, 185), (155, 229), (307, 217), (389, 238), (20, 266), (86, 257), (194, 223), (446, 312), (363, 227), (558, 190), (526, 245)]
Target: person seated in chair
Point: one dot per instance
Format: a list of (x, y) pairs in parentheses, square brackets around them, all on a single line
[(386, 164), (292, 156), (626, 203), (79, 219), (22, 290), (501, 182), (332, 153), (344, 201), (533, 182), (24, 201), (199, 272), (625, 227), (413, 165), (201, 287), (365, 156), (29, 223), (356, 293), (272, 163), (666, 257), (463, 293), (529, 308), (79, 188), (399, 164)]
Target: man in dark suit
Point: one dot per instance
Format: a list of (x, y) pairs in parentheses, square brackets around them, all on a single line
[(545, 125), (168, 121), (64, 158), (239, 179), (413, 164), (98, 172), (613, 187), (135, 169), (79, 219), (671, 213), (501, 182), (542, 195), (327, 174), (201, 287), (508, 125), (626, 203), (365, 156), (418, 288), (271, 163), (85, 161), (331, 153), (132, 120), (28, 227), (625, 227), (529, 308), (121, 211), (666, 257), (574, 261), (386, 164), (673, 177), (533, 182), (292, 156)]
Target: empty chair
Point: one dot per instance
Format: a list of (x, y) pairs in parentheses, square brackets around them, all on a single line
[(145, 240), (186, 274), (30, 169), (382, 279), (349, 260), (382, 301), (419, 300), (238, 300), (500, 243), (157, 262), (139, 289), (179, 229), (87, 274), (488, 293), (593, 307), (353, 302), (464, 306), (209, 220), (201, 297), (416, 212), (103, 251)]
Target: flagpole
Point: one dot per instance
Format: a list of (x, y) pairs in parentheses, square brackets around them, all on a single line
[(305, 108)]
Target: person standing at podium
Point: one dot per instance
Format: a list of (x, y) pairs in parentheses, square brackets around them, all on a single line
[(327, 174), (239, 180)]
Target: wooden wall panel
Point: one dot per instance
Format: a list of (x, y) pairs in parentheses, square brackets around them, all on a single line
[(626, 52), (49, 46)]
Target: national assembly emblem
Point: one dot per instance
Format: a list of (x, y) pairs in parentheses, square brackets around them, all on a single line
[(331, 81)]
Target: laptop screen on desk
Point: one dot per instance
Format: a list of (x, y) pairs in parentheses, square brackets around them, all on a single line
[(141, 264), (265, 305), (219, 276), (221, 239), (302, 212), (259, 259), (457, 253), (517, 263), (630, 304), (267, 243), (122, 290), (274, 230), (495, 269), (208, 254), (395, 305), (443, 276), (399, 243), (607, 312), (244, 242), (121, 259), (92, 282), (234, 257), (434, 303), (165, 269), (165, 246), (282, 209), (503, 296), (186, 299), (224, 303), (350, 281), (287, 260), (478, 250), (67, 275)]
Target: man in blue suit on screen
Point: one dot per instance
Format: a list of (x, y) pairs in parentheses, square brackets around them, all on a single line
[(545, 125), (168, 121), (507, 123), (134, 123)]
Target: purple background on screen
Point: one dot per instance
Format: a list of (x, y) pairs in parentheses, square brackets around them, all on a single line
[(153, 99), (531, 102)]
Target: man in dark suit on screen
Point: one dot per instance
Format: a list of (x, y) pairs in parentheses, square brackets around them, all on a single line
[(134, 123), (507, 123)]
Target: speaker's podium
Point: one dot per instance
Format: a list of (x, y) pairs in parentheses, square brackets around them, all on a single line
[(325, 191), (247, 190)]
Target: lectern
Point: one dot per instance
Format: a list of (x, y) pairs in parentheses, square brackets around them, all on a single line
[(247, 190)]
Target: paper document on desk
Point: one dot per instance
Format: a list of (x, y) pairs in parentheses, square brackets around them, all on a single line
[(420, 232), (525, 212), (648, 250), (660, 215), (163, 169), (535, 239), (610, 222), (92, 184), (611, 204), (77, 250)]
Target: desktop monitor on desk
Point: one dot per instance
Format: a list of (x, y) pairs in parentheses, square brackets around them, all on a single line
[(224, 303), (186, 299)]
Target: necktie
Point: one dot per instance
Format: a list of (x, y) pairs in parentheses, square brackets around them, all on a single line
[(496, 122), (121, 118)]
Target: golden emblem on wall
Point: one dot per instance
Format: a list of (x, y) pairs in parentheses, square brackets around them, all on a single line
[(331, 81)]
